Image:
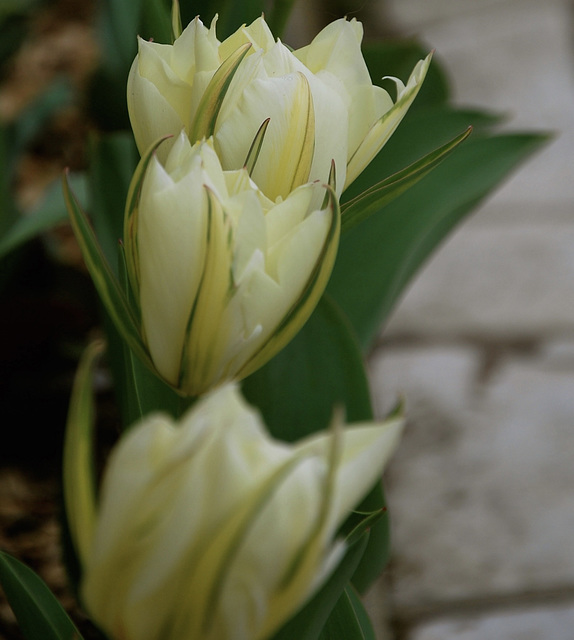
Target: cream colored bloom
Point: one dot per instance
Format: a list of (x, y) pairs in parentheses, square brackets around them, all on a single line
[(319, 101), (224, 277), (211, 530)]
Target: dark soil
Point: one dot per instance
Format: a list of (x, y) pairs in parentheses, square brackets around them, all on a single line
[(47, 309)]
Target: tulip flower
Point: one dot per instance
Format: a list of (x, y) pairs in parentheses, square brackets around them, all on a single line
[(223, 277), (315, 105), (209, 529)]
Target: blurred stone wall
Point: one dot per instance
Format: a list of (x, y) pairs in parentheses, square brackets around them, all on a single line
[(481, 493)]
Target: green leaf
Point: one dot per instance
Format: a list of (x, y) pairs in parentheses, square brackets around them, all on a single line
[(156, 21), (378, 548), (113, 159), (39, 614), (255, 148), (9, 213), (105, 281), (49, 213), (349, 620), (296, 391), (130, 218), (379, 195), (319, 369), (118, 24), (368, 520), (419, 134), (232, 14), (378, 257), (361, 614), (138, 390), (79, 484), (203, 124), (279, 16), (176, 26), (31, 121), (310, 620)]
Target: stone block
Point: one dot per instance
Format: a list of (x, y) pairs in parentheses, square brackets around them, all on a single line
[(540, 623), (480, 490), (495, 282), (513, 57)]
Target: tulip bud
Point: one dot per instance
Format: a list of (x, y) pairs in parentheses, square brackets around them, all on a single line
[(211, 530), (223, 276), (318, 101)]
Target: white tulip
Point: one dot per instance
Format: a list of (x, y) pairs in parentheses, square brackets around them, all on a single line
[(319, 101), (223, 276), (209, 529)]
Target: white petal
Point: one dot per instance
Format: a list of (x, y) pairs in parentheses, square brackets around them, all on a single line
[(337, 49), (171, 250), (284, 102), (365, 451), (250, 236), (195, 51), (282, 218), (154, 65), (257, 33), (331, 113), (151, 115), (331, 133), (291, 260), (384, 128)]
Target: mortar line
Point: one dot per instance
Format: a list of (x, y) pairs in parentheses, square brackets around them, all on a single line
[(407, 617)]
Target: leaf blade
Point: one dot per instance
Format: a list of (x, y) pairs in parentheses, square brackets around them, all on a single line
[(382, 193), (108, 287), (39, 614), (348, 620), (79, 484), (51, 212), (203, 124), (311, 618), (378, 257)]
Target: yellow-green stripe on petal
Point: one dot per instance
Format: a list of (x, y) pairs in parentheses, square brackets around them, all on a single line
[(299, 142), (385, 126)]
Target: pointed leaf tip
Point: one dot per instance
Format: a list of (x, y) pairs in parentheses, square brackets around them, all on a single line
[(104, 279), (381, 194), (364, 526), (255, 147), (37, 610), (79, 485), (203, 124)]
